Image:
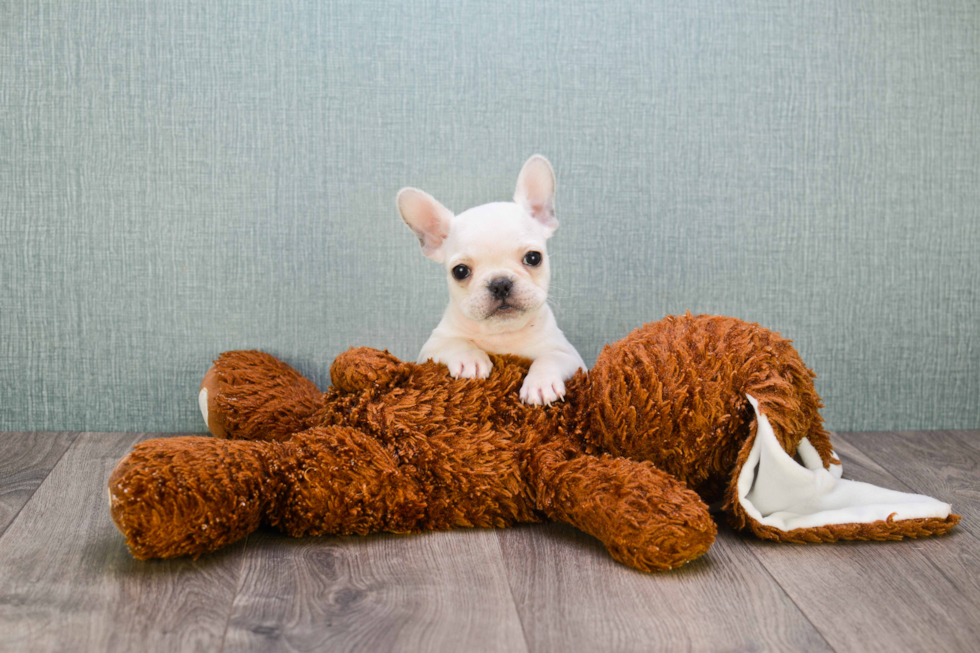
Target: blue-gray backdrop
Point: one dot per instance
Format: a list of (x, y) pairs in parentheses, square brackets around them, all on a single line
[(180, 178)]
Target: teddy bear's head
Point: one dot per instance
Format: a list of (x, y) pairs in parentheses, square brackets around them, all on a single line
[(674, 393)]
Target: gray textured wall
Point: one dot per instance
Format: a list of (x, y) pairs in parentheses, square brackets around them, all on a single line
[(181, 178)]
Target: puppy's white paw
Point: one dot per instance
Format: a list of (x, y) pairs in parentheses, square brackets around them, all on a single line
[(470, 364), (542, 389)]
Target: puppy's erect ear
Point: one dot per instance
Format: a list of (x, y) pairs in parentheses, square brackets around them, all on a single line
[(427, 218), (536, 191)]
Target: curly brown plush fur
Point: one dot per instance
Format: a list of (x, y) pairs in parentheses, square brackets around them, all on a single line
[(661, 419)]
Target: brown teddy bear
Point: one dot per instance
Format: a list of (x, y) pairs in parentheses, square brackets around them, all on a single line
[(681, 412)]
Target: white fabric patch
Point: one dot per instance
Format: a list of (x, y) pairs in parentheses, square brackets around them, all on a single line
[(202, 401), (777, 491)]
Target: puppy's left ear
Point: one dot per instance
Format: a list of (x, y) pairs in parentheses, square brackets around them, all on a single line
[(536, 191)]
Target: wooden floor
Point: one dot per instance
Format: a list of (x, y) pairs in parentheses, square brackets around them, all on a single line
[(67, 581)]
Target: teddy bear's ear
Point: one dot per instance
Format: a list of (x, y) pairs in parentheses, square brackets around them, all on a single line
[(427, 218), (781, 499)]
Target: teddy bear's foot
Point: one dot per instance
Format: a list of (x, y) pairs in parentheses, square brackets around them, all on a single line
[(646, 518), (780, 499), (190, 495), (251, 395), (360, 368)]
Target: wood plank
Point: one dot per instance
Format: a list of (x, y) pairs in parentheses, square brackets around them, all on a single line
[(67, 581), (25, 461), (572, 596), (943, 464), (883, 596), (428, 592)]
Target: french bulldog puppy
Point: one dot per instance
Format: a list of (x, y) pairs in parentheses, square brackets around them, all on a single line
[(498, 273)]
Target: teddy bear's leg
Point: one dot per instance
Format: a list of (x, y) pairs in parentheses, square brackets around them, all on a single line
[(645, 517), (251, 395), (190, 495), (341, 481), (779, 498)]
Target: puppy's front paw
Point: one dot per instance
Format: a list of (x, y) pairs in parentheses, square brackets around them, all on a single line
[(542, 389), (470, 364)]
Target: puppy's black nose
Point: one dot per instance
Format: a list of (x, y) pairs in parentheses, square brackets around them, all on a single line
[(500, 288)]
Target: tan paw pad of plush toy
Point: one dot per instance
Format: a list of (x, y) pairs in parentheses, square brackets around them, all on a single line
[(681, 412)]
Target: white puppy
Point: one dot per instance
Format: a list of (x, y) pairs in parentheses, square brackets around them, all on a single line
[(498, 274)]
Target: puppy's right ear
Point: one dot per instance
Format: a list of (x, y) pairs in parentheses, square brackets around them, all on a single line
[(427, 218)]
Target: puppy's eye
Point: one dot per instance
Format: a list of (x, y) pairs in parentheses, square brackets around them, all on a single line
[(533, 259), (460, 272)]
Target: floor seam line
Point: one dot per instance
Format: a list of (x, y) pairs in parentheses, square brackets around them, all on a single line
[(234, 597), (510, 591), (799, 609), (41, 484)]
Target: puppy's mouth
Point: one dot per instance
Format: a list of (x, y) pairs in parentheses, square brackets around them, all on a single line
[(505, 310)]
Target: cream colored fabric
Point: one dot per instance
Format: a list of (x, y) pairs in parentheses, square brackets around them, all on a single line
[(776, 490)]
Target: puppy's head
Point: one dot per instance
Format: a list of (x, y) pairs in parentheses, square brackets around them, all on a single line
[(495, 257)]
